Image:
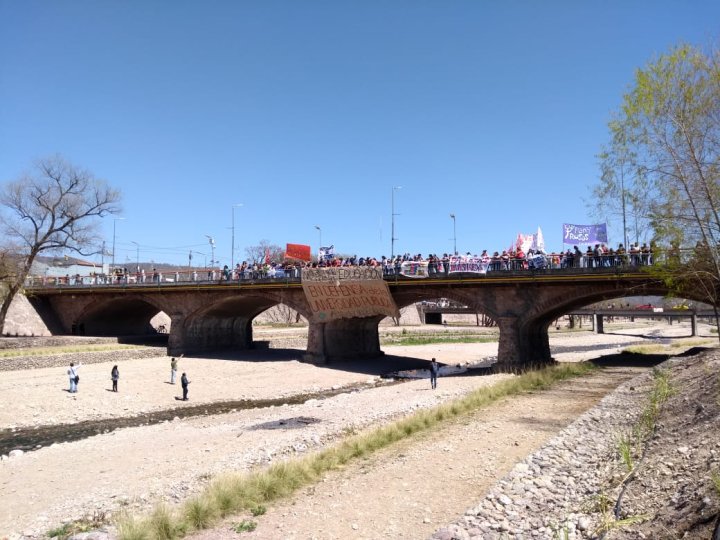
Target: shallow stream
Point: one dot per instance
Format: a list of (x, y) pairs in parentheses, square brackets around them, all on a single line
[(34, 438)]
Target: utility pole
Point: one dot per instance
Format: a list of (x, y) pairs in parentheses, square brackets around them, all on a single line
[(392, 227), (212, 249), (454, 235), (232, 254)]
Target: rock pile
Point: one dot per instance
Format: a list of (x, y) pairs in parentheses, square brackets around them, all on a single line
[(571, 487)]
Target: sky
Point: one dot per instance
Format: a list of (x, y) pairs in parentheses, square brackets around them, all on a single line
[(279, 117)]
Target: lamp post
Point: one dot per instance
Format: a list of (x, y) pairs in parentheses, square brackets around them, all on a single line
[(137, 255), (319, 240), (454, 235), (212, 248), (232, 254), (115, 220), (392, 226)]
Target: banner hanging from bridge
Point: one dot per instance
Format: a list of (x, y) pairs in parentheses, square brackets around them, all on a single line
[(414, 269), (585, 234), (474, 265), (346, 292), (456, 265)]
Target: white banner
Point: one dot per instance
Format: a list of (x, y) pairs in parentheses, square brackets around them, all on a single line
[(326, 253), (414, 269), (474, 265)]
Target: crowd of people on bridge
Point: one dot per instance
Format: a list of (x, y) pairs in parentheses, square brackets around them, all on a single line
[(513, 259)]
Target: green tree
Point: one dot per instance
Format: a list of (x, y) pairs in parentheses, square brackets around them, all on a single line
[(666, 139), (53, 208)]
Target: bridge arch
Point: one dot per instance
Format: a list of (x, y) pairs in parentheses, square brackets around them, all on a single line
[(225, 322), (118, 316)]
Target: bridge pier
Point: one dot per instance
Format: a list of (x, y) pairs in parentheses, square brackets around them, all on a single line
[(343, 339), (693, 324), (520, 347), (598, 323)]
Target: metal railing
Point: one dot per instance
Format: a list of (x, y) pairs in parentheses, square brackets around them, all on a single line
[(506, 266)]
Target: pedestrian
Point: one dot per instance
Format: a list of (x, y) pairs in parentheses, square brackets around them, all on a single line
[(184, 382), (115, 375), (434, 369), (173, 370), (73, 376)]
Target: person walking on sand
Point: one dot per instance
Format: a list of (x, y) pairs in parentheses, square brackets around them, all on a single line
[(184, 382), (74, 377), (434, 369), (115, 375), (173, 370)]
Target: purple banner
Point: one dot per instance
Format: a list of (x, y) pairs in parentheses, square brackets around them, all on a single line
[(584, 234)]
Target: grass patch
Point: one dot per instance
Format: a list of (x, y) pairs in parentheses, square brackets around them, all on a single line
[(409, 340), (626, 451), (252, 491), (608, 525), (82, 525), (46, 351), (245, 526), (715, 477), (655, 349)]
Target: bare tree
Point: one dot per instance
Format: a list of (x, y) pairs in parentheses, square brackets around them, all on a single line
[(51, 209), (282, 314), (264, 251)]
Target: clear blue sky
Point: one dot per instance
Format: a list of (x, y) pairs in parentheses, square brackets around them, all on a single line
[(308, 113)]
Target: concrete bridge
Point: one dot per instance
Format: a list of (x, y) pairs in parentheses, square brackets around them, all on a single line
[(218, 315)]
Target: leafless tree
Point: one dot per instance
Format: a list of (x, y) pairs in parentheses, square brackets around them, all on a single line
[(264, 251), (53, 208), (282, 314)]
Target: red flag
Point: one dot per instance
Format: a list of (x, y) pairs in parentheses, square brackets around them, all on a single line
[(298, 251), (267, 255)]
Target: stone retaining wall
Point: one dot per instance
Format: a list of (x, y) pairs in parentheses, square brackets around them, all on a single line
[(12, 363)]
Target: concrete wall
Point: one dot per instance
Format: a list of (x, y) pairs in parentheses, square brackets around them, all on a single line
[(23, 320)]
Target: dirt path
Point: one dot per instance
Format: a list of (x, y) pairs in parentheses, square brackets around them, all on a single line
[(412, 489)]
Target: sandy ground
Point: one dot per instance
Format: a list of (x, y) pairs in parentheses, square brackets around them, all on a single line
[(134, 467)]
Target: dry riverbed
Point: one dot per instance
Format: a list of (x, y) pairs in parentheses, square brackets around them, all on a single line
[(135, 467)]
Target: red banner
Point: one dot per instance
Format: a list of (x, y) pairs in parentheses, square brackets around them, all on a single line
[(298, 251)]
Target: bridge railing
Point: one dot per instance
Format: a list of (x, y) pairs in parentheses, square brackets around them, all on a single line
[(555, 264)]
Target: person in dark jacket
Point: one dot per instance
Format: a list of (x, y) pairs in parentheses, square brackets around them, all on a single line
[(115, 375), (184, 382), (434, 369)]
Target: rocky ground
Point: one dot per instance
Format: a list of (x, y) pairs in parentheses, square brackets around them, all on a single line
[(578, 486), (437, 477)]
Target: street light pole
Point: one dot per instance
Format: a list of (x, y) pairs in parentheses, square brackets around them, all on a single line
[(232, 255), (454, 235), (212, 248), (319, 240), (137, 255), (115, 220), (392, 225)]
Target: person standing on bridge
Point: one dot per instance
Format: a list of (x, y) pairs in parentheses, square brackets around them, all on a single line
[(434, 369), (173, 370)]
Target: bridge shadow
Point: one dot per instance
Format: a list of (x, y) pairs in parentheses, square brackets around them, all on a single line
[(375, 366), (653, 336), (629, 359)]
